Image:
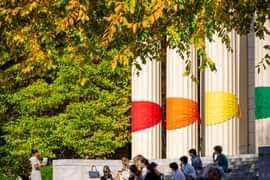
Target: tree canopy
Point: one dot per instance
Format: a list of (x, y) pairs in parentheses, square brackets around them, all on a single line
[(64, 64)]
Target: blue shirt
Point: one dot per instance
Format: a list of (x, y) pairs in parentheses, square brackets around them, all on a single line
[(196, 162), (189, 171), (222, 161), (178, 175)]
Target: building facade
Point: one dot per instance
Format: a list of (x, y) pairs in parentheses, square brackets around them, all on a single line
[(229, 107)]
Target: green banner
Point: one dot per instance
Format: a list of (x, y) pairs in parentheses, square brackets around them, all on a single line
[(262, 102)]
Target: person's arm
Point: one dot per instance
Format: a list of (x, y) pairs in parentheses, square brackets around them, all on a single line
[(117, 177), (189, 170), (185, 171), (37, 166), (42, 164), (182, 167)]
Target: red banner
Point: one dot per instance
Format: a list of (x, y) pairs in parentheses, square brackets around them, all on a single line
[(145, 115)]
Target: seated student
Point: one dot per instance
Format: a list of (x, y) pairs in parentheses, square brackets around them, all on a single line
[(220, 159), (195, 160), (107, 175), (155, 165), (187, 169), (141, 163), (220, 165), (123, 174), (176, 174)]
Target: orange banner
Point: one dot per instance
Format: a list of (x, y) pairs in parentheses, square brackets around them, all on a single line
[(181, 112)]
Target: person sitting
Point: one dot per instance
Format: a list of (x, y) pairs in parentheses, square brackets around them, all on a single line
[(155, 165), (220, 165), (195, 160), (107, 175), (220, 159), (176, 174), (141, 163), (123, 174), (187, 169)]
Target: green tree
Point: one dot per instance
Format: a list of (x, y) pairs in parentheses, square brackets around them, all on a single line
[(83, 109), (58, 90)]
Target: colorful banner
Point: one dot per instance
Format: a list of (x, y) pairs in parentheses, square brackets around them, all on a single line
[(145, 115), (181, 112), (220, 107), (146, 110), (262, 102)]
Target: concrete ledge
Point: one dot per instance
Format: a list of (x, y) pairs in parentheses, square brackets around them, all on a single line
[(77, 169)]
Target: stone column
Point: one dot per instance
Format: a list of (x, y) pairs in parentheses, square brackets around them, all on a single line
[(146, 109), (182, 106), (222, 112)]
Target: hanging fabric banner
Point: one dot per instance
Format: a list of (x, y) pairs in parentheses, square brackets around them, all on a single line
[(262, 102), (181, 112), (220, 107), (145, 115)]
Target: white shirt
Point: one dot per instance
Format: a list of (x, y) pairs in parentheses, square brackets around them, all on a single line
[(124, 174), (35, 174)]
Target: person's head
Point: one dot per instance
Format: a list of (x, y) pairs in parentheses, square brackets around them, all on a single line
[(192, 152), (173, 166), (184, 160), (218, 149), (125, 161), (106, 170), (138, 157), (214, 174), (35, 153), (138, 161), (153, 164)]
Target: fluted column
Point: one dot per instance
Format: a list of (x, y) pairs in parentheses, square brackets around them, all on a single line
[(146, 110), (221, 114), (262, 91), (182, 106)]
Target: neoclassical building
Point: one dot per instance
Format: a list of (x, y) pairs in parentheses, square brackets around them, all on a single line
[(229, 107)]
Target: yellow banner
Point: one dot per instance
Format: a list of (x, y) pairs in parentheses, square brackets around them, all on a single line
[(220, 107)]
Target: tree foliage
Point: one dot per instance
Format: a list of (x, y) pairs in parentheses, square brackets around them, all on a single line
[(57, 87), (58, 90), (83, 109)]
